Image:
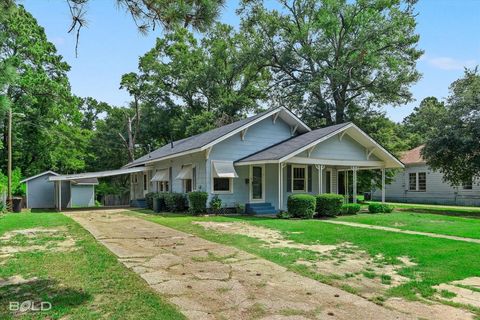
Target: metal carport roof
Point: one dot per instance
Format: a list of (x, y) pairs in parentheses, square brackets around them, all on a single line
[(99, 174)]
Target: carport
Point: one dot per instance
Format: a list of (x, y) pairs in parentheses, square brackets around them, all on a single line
[(60, 179)]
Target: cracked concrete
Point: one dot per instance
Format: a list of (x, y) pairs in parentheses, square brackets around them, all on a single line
[(211, 281)]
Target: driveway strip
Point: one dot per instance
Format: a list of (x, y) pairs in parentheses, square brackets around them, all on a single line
[(427, 234), (207, 280)]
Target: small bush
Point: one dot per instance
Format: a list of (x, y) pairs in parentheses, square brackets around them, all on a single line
[(175, 202), (329, 204), (350, 208), (379, 208), (239, 208), (159, 202), (215, 204), (283, 215), (149, 198), (197, 202), (301, 205)]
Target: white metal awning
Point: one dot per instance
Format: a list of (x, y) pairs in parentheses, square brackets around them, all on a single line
[(185, 173), (224, 169), (99, 174), (161, 175)]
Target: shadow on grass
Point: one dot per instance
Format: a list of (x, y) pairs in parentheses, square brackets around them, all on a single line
[(60, 297), (444, 212)]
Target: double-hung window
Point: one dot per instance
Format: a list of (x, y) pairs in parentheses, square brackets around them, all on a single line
[(417, 181), (468, 185), (299, 178)]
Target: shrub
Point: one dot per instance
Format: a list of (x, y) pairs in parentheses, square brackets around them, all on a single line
[(379, 208), (301, 205), (197, 202), (149, 198), (350, 208), (283, 215), (329, 204), (175, 202), (159, 202), (215, 204), (239, 208)]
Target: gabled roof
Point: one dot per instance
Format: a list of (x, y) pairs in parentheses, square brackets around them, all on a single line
[(413, 156), (39, 175), (207, 139), (287, 147), (293, 146), (100, 174)]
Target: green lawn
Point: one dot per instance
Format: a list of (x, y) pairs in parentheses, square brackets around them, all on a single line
[(86, 283), (441, 224), (459, 211), (438, 260)]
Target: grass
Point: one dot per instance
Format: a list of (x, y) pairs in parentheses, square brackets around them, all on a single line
[(85, 283), (459, 211), (437, 260), (424, 222)]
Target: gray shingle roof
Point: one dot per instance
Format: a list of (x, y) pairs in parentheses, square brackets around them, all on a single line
[(194, 142), (291, 145)]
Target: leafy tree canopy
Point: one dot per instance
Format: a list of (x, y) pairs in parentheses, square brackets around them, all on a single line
[(329, 57), (453, 145)]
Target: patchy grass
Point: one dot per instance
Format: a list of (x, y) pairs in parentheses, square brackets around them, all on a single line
[(459, 211), (424, 222), (85, 283), (437, 260)]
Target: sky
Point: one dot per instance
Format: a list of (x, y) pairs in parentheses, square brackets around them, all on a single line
[(110, 46)]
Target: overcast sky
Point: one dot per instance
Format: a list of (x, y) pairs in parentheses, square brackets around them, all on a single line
[(110, 46)]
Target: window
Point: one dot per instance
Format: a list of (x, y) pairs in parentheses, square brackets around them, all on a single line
[(134, 178), (222, 184), (299, 180), (422, 181), (412, 182), (468, 185), (187, 185), (145, 182), (162, 186), (417, 181)]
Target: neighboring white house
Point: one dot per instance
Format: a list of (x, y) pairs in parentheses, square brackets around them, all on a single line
[(418, 183), (259, 161)]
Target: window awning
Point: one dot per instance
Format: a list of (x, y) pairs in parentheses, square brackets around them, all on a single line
[(185, 173), (224, 169), (161, 175)]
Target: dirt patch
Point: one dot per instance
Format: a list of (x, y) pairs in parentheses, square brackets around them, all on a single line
[(462, 295), (348, 265), (471, 282), (272, 238), (34, 240), (15, 280), (429, 310)]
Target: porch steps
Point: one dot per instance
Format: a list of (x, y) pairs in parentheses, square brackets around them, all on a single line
[(260, 208)]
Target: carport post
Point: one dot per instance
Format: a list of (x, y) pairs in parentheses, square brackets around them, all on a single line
[(354, 169), (60, 195)]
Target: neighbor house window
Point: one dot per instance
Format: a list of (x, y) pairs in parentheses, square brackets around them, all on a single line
[(222, 185), (299, 179), (162, 186), (134, 178), (187, 185), (417, 181), (468, 185), (145, 182)]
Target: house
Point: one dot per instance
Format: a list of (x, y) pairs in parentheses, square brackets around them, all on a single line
[(261, 160), (40, 192), (418, 183)]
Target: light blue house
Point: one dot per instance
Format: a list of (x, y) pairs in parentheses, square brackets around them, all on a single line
[(261, 160)]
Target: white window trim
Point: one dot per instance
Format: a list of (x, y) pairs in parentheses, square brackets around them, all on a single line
[(250, 177), (230, 190), (305, 178), (417, 182)]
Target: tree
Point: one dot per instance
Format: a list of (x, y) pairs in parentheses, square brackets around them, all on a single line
[(421, 122), (453, 145), (330, 56), (148, 14), (49, 135)]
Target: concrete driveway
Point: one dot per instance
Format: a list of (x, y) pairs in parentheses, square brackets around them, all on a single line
[(207, 280)]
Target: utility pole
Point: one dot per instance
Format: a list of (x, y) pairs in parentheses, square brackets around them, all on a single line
[(9, 166)]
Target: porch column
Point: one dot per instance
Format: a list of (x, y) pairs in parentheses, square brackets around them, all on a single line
[(60, 195), (383, 185), (354, 170), (279, 186), (347, 195), (320, 177), (282, 165)]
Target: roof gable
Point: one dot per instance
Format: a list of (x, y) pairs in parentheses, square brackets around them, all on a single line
[(207, 139), (413, 156), (39, 175)]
